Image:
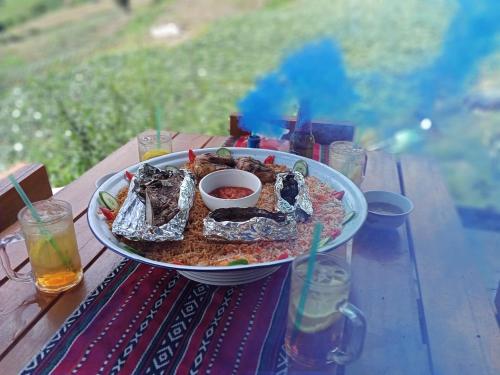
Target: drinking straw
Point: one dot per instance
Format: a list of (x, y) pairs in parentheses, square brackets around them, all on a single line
[(158, 122), (310, 269), (43, 230)]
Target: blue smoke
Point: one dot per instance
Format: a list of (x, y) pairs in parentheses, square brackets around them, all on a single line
[(471, 36), (314, 74)]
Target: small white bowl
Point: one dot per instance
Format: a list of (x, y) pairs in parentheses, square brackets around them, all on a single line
[(229, 177), (387, 220)]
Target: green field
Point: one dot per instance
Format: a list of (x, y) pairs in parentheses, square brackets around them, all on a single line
[(71, 92)]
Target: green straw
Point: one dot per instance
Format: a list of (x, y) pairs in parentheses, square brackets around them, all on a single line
[(310, 269), (158, 123), (43, 230)]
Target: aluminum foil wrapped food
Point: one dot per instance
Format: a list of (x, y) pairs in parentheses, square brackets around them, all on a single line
[(249, 225), (292, 195), (157, 205)]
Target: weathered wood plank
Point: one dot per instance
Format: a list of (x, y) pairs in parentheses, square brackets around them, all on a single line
[(384, 289), (49, 323), (216, 141), (37, 312), (485, 252), (462, 332), (324, 132), (34, 180), (22, 304)]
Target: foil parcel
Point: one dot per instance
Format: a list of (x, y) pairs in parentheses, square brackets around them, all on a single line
[(249, 225), (131, 219), (292, 195)]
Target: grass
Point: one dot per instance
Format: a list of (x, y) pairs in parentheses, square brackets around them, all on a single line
[(71, 114)]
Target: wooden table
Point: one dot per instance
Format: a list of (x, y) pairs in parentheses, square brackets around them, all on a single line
[(426, 309)]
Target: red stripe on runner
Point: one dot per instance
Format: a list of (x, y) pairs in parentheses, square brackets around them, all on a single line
[(242, 333), (143, 346), (86, 353)]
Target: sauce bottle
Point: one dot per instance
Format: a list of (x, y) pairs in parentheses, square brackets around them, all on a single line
[(302, 138)]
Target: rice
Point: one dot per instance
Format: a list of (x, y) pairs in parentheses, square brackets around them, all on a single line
[(196, 250)]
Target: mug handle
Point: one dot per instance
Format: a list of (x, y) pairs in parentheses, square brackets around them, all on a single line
[(4, 259), (356, 339)]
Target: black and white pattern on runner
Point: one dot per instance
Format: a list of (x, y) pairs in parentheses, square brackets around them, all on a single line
[(177, 330), (33, 364), (111, 322), (209, 333), (282, 365), (142, 328), (220, 340)]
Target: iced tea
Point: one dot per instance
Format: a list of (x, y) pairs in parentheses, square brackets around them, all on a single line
[(52, 249)]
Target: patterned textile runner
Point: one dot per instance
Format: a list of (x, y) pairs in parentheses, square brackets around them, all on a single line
[(149, 320)]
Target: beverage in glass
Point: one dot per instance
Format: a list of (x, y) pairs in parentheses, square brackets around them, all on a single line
[(51, 245), (315, 325), (349, 159), (150, 146)]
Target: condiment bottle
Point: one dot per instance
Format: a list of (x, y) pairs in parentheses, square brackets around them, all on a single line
[(302, 138)]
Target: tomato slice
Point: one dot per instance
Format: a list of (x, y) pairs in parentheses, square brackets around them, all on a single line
[(335, 233), (192, 156), (339, 195), (283, 255), (108, 214), (269, 159), (129, 175)]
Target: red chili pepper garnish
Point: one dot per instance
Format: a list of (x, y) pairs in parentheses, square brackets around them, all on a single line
[(179, 263), (192, 156), (339, 195), (129, 175), (283, 255), (108, 214), (269, 159), (335, 233)]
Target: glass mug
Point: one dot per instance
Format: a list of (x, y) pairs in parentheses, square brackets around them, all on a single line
[(349, 159), (150, 147), (52, 247), (314, 335)]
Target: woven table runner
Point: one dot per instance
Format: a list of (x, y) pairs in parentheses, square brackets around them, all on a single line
[(149, 320)]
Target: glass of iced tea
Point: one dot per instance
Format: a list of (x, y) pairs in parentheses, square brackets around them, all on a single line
[(150, 146), (314, 334), (349, 159), (52, 247)]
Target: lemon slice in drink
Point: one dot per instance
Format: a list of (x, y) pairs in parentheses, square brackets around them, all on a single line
[(153, 153)]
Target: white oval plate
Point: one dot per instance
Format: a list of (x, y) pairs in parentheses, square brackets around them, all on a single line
[(230, 275)]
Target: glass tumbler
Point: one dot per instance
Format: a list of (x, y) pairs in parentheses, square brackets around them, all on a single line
[(150, 146), (51, 245), (316, 324), (349, 159)]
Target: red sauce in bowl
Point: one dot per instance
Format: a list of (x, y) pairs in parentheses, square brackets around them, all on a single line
[(231, 192)]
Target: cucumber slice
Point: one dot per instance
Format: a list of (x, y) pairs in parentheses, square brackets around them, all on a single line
[(172, 169), (108, 200), (223, 152), (132, 250), (238, 262), (301, 167), (348, 217)]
